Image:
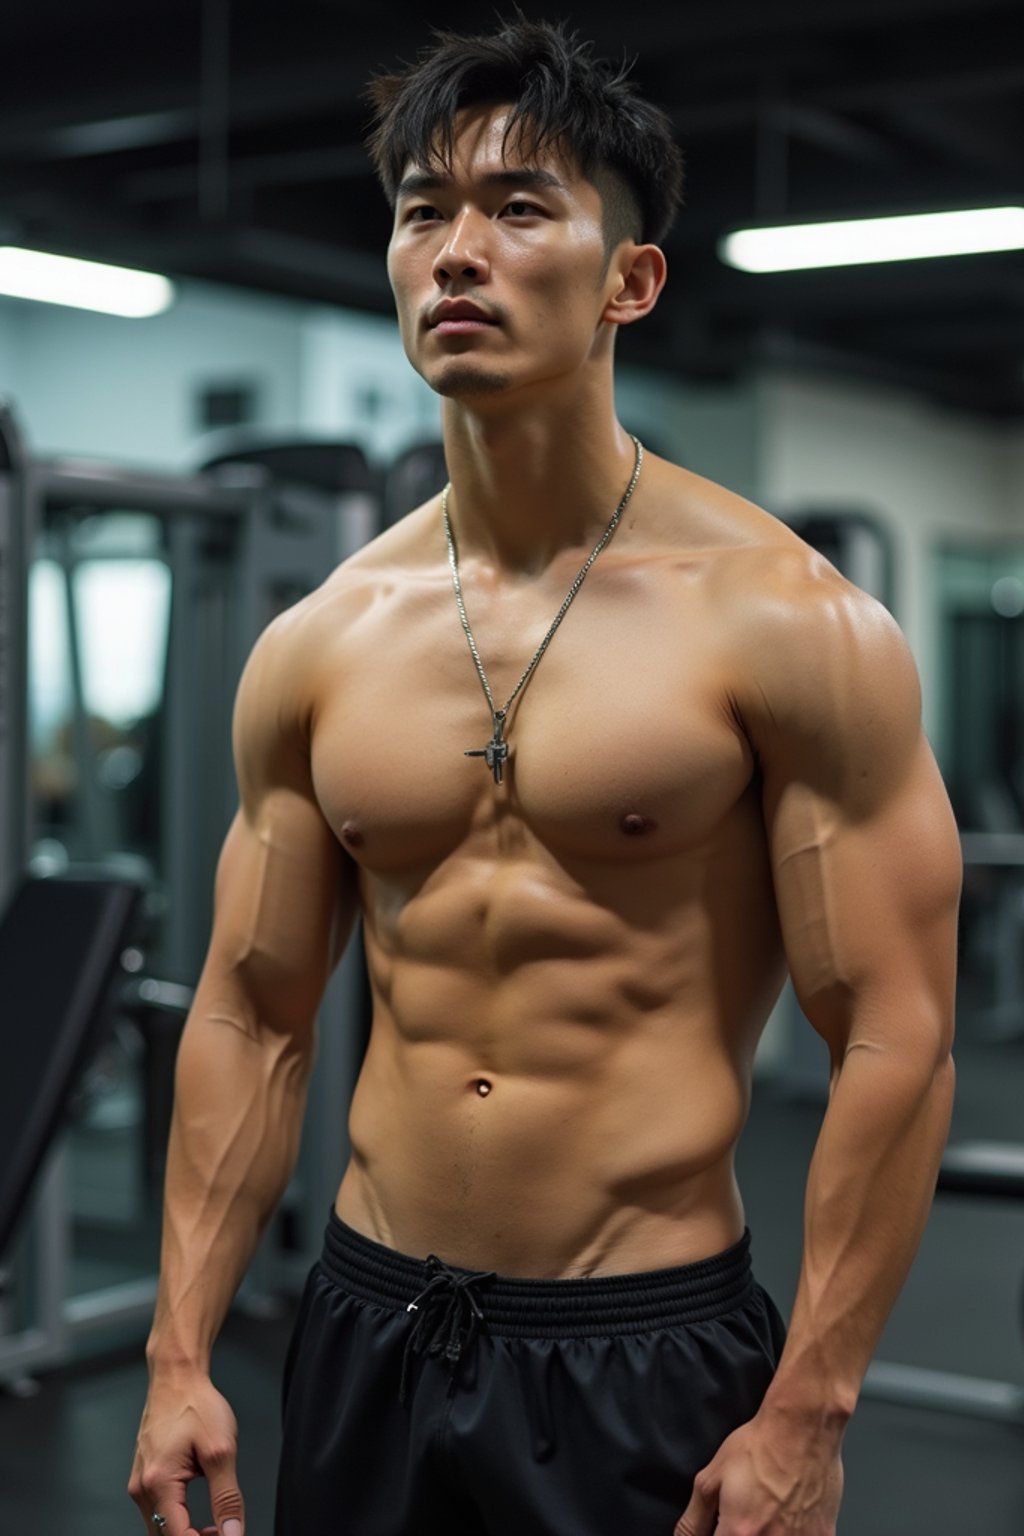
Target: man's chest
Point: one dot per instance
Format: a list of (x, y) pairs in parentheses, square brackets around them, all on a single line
[(621, 744)]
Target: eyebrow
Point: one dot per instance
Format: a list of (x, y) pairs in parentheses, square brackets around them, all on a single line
[(431, 181)]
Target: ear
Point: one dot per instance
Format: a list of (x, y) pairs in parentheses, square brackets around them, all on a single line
[(641, 272)]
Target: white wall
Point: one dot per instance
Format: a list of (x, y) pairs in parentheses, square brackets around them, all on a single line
[(10, 342), (357, 385), (97, 385), (100, 386)]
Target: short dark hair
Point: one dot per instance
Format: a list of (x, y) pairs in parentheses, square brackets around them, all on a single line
[(560, 95)]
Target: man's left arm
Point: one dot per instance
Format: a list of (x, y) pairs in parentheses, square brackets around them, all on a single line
[(866, 867)]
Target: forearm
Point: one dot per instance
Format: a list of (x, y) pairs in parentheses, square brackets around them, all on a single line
[(239, 1099), (869, 1191)]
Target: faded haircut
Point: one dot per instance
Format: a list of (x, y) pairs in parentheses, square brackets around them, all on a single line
[(584, 108)]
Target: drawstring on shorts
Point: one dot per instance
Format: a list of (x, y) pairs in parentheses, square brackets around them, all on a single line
[(445, 1308), (448, 1316)]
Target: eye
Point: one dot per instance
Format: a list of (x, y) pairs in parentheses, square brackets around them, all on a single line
[(519, 208), (422, 213)]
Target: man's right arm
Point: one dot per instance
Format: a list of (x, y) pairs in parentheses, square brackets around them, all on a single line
[(284, 904)]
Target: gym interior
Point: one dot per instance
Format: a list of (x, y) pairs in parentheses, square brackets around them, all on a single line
[(171, 479)]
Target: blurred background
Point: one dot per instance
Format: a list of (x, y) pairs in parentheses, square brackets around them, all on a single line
[(173, 476)]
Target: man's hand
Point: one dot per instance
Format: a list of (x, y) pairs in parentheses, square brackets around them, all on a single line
[(767, 1480), (188, 1430)]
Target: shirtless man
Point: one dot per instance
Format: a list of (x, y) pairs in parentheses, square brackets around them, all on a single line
[(534, 1314)]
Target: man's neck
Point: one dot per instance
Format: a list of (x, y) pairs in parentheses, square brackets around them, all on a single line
[(528, 483)]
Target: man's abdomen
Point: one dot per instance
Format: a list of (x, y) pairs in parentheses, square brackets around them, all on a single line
[(560, 1059), (579, 1148)]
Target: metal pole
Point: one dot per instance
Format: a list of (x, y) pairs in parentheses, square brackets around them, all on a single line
[(17, 527)]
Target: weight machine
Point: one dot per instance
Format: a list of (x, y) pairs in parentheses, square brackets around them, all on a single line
[(240, 543)]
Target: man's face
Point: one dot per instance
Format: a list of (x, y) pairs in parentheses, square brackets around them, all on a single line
[(500, 269)]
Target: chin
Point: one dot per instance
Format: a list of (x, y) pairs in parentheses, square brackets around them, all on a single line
[(462, 382)]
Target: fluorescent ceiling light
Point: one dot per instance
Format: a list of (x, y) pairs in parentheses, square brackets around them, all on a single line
[(82, 284), (856, 242)]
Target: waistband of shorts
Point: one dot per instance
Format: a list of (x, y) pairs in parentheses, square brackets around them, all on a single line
[(528, 1308)]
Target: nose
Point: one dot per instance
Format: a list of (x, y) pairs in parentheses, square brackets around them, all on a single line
[(463, 253)]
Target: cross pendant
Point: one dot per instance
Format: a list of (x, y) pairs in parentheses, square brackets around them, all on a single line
[(496, 750)]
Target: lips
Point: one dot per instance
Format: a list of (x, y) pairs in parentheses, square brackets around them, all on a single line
[(458, 314)]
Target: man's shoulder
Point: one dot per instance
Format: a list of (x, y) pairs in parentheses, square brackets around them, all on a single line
[(814, 658), (800, 621), (769, 582), (303, 649), (344, 596), (695, 515), (805, 647)]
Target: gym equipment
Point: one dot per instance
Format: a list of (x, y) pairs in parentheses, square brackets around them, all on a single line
[(14, 794), (160, 1009), (1003, 851), (328, 466), (991, 1168), (60, 942), (241, 544), (416, 475)]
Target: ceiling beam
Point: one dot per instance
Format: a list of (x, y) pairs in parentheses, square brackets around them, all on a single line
[(947, 132), (732, 24)]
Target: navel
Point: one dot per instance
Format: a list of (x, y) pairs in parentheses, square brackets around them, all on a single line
[(635, 825), (352, 835), (483, 1087)]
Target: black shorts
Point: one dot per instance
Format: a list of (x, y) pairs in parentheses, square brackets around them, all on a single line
[(425, 1400)]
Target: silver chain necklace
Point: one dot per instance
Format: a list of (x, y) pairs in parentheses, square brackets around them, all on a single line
[(496, 750)]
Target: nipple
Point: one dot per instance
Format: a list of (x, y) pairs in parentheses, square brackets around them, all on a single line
[(635, 826), (352, 835), (483, 1087)]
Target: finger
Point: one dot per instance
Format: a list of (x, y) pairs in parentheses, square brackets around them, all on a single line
[(700, 1515), (169, 1502), (181, 1526), (233, 1526), (226, 1502), (177, 1522)]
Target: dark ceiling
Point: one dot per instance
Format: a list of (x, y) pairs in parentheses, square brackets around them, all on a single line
[(223, 141)]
